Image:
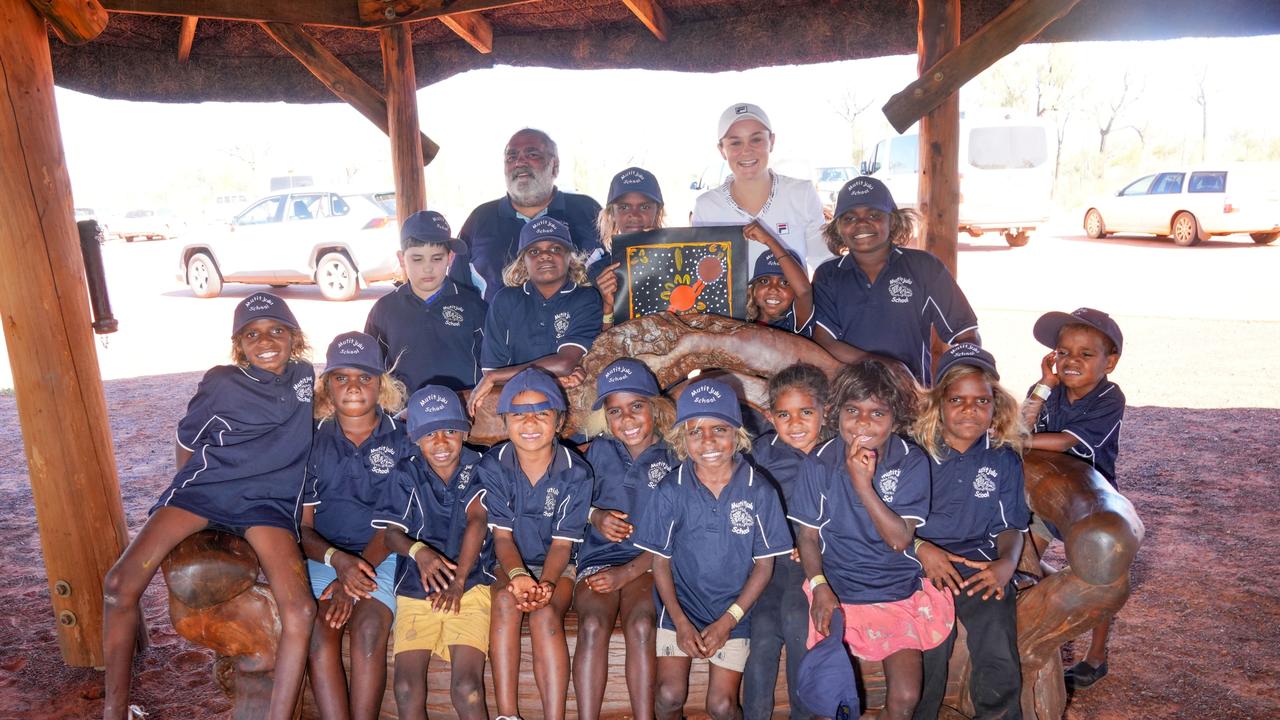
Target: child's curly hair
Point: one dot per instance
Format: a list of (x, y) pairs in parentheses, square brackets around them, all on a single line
[(800, 376), (678, 438), (1007, 427), (905, 222), (608, 227), (516, 274), (300, 349), (664, 416), (871, 378), (391, 395)]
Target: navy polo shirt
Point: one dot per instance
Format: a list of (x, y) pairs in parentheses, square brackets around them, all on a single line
[(433, 511), (977, 494), (249, 431), (712, 542), (858, 563), (492, 234), (789, 323), (523, 326), (553, 509), (434, 342), (1094, 420), (624, 485), (892, 316), (779, 462), (345, 483)]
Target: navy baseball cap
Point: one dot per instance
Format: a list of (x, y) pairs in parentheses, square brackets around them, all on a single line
[(767, 264), (357, 351), (1049, 325), (824, 679), (625, 375), (535, 380), (262, 305), (435, 407), (545, 228), (742, 111), (635, 179), (428, 226), (864, 191), (709, 398), (967, 354)]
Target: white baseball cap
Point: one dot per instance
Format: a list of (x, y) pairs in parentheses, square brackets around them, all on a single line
[(742, 111)]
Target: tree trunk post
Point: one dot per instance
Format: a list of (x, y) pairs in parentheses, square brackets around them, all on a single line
[(939, 193), (401, 88)]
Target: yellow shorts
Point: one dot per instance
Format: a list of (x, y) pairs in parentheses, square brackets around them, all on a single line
[(731, 656), (421, 627)]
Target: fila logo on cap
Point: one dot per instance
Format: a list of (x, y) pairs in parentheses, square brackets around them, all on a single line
[(740, 109)]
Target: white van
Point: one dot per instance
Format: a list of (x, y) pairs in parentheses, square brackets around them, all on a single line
[(1006, 174)]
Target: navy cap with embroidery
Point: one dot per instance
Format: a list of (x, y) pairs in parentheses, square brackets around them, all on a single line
[(625, 375), (967, 354), (635, 179), (435, 407), (864, 192), (767, 264), (825, 680), (742, 111), (1049, 325), (545, 228), (428, 226), (262, 305), (709, 398), (355, 350), (531, 379)]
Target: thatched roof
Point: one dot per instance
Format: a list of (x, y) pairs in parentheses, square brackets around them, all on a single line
[(136, 57)]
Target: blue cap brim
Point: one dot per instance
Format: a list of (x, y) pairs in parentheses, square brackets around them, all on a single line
[(444, 424)]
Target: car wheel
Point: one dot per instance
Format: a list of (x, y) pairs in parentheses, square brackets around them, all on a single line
[(1018, 239), (336, 277), (203, 277), (1265, 238), (128, 238), (1093, 225), (1186, 229)]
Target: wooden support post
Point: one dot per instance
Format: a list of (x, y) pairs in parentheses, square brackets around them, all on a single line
[(75, 22), (400, 82), (339, 78), (473, 28), (651, 14), (939, 194), (186, 36), (45, 312), (379, 13)]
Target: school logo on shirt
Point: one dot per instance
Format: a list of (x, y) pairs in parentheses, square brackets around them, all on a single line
[(741, 516), (889, 484), (562, 324), (452, 315), (657, 471), (382, 459), (304, 389), (900, 290), (549, 505), (984, 484), (464, 478)]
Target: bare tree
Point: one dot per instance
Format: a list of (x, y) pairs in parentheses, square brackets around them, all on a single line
[(1111, 111), (848, 107), (1203, 101)]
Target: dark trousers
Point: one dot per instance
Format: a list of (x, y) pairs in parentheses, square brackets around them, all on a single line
[(995, 678), (780, 617)]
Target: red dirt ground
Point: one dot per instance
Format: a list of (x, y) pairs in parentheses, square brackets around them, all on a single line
[(1200, 636)]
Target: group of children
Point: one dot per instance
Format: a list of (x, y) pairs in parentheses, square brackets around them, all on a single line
[(874, 504)]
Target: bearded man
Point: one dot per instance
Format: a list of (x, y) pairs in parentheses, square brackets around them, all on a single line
[(531, 164)]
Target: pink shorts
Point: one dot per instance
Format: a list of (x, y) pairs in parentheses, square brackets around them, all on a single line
[(875, 631)]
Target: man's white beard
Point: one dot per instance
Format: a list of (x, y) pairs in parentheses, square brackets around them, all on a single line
[(528, 192)]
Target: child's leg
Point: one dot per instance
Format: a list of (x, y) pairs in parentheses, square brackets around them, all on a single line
[(902, 672), (596, 615), (410, 683), (933, 686), (122, 589), (795, 629), (760, 676), (504, 648), (281, 562), (370, 625), (551, 650), (722, 694), (673, 687), (324, 665), (467, 685), (995, 676), (1098, 644), (639, 625)]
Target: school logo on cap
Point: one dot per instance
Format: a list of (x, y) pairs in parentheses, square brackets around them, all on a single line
[(704, 395), (350, 346), (741, 516), (889, 484), (549, 505), (258, 303), (452, 315), (433, 403), (562, 324), (617, 374), (543, 227), (382, 459), (964, 350), (631, 177), (657, 471), (900, 290), (304, 389), (984, 484), (859, 187)]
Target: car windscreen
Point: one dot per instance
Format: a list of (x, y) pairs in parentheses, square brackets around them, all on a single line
[(1008, 148)]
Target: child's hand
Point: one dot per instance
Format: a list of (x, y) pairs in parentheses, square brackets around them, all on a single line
[(612, 525), (575, 378), (795, 554), (435, 570), (756, 233), (938, 567), (606, 581), (991, 579), (340, 605), (1048, 376), (715, 635), (607, 285), (358, 577), (521, 588), (689, 640), (478, 394), (824, 603), (538, 597), (449, 600), (861, 463)]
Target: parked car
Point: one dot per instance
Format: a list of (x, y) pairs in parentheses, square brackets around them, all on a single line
[(148, 225), (829, 180), (341, 242), (84, 213), (1192, 204)]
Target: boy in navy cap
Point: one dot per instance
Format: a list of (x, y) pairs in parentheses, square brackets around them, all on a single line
[(536, 493), (635, 204), (444, 557), (714, 527), (429, 328), (547, 316), (779, 294), (1075, 409)]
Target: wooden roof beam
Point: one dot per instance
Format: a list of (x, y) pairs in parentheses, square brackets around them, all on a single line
[(330, 13), (75, 22), (473, 28), (339, 78), (186, 36), (651, 14), (375, 13), (1022, 21)]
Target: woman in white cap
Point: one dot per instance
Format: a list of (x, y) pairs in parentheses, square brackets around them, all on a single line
[(787, 207)]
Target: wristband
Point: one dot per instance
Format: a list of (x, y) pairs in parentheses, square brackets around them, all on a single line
[(608, 319), (1041, 391), (817, 580), (916, 546), (414, 548), (735, 612), (516, 572), (328, 555)]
